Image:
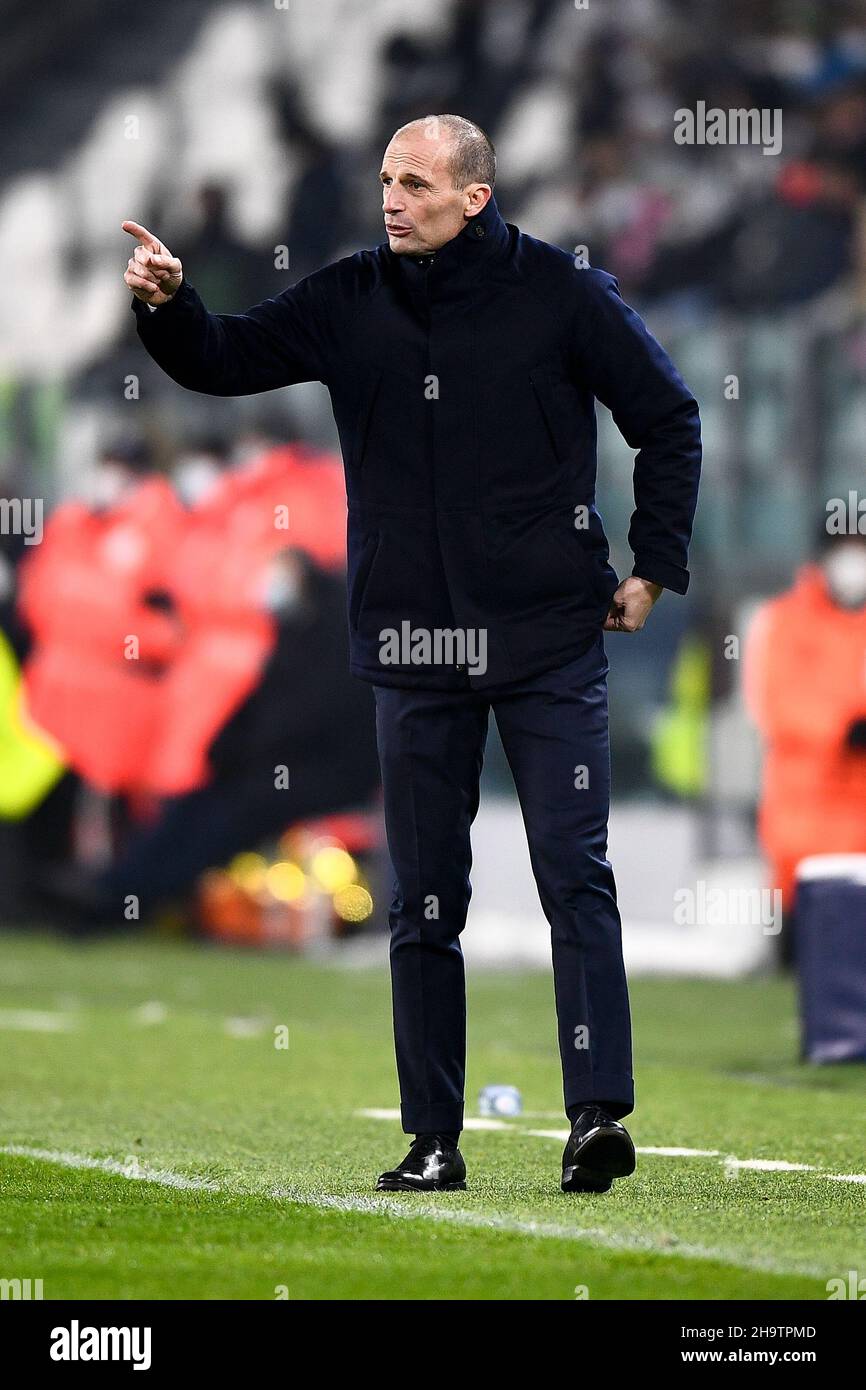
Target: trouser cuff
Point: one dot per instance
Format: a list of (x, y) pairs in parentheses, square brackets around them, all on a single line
[(598, 1087), (446, 1116)]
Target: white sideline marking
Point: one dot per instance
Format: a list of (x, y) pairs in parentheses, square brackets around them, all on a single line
[(392, 1206), (130, 1168), (659, 1150), (35, 1021), (758, 1165), (770, 1165), (673, 1151), (388, 1205)]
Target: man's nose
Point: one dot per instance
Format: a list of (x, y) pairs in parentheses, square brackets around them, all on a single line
[(392, 201)]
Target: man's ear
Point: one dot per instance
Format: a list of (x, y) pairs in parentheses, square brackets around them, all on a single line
[(478, 195)]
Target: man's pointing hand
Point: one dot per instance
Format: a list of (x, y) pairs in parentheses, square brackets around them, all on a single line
[(152, 273)]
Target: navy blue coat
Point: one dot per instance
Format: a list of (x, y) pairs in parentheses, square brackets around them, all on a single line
[(464, 392)]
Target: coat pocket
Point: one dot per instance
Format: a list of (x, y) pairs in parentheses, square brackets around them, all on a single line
[(360, 575), (371, 389), (588, 551), (545, 396), (567, 539), (534, 558)]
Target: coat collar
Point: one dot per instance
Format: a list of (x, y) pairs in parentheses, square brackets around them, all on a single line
[(482, 240)]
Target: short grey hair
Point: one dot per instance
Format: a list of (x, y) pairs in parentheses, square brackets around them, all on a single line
[(472, 157)]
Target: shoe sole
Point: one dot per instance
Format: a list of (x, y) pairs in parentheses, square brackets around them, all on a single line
[(395, 1185), (602, 1157), (577, 1179)]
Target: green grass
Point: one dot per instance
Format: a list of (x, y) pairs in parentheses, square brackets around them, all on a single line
[(292, 1168)]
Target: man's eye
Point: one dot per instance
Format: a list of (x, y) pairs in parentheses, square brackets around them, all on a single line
[(415, 184)]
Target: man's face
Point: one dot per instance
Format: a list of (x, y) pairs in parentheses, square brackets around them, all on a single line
[(421, 206)]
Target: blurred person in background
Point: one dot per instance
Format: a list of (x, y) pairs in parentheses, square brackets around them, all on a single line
[(37, 796), (13, 549), (265, 429), (97, 642), (123, 465), (805, 684), (243, 612), (230, 272), (237, 518), (306, 723), (92, 596), (199, 467), (317, 216)]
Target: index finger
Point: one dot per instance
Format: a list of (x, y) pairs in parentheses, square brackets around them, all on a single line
[(144, 236)]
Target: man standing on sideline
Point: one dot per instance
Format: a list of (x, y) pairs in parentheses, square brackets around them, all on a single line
[(463, 359)]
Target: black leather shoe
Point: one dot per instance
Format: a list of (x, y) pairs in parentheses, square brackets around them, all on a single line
[(429, 1166), (599, 1149)]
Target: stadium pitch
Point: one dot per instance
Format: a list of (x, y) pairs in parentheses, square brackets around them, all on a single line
[(181, 1122)]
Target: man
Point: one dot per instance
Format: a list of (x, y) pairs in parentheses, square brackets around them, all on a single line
[(463, 360), (805, 683)]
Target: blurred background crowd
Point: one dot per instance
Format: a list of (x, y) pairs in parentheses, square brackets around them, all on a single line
[(177, 635)]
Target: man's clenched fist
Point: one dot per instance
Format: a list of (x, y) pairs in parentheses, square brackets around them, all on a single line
[(152, 273), (631, 604)]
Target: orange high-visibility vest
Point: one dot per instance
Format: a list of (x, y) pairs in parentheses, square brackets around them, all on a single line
[(292, 496), (287, 497), (216, 577), (145, 725), (805, 683), (91, 680)]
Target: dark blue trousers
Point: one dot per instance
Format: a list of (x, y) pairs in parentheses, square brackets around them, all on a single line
[(554, 729)]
